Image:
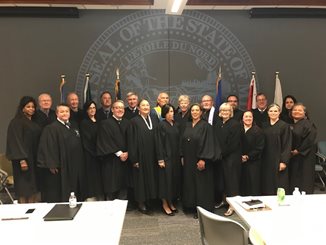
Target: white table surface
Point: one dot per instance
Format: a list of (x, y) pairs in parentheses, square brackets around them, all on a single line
[(95, 223), (302, 222)]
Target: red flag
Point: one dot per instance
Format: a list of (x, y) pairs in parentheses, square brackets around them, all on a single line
[(252, 93)]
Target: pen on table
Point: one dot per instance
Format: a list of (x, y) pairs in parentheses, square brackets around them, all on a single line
[(17, 218)]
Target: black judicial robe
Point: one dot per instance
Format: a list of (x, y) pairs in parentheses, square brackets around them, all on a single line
[(182, 120), (167, 148), (102, 115), (277, 149), (112, 137), (260, 117), (88, 131), (229, 138), (252, 143), (237, 114), (141, 149), (129, 114), (205, 115), (76, 116), (285, 116), (22, 144), (302, 166), (197, 143), (61, 148), (43, 119)]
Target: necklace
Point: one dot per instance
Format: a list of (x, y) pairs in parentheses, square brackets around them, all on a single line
[(150, 125)]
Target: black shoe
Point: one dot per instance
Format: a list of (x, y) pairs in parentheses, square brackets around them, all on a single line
[(195, 216), (168, 214), (143, 209), (175, 211), (220, 205)]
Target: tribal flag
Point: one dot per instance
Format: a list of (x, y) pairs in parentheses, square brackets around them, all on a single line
[(218, 94), (252, 93), (117, 89), (278, 97), (62, 90), (87, 95)]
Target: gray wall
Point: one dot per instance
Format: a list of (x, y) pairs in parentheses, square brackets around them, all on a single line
[(35, 51)]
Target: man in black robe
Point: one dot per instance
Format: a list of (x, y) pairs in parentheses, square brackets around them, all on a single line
[(112, 148), (61, 152), (260, 113), (131, 110), (210, 113), (233, 100), (105, 111), (76, 114), (44, 115)]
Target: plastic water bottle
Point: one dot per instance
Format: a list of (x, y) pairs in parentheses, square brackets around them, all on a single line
[(72, 200), (296, 195)]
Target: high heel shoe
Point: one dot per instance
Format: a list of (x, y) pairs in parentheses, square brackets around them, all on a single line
[(229, 212), (166, 213)]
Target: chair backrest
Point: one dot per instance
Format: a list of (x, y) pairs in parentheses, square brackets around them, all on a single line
[(3, 178), (322, 148), (219, 230)]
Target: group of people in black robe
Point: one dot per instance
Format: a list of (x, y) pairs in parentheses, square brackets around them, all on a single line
[(196, 153)]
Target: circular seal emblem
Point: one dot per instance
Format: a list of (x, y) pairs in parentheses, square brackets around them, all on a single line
[(161, 53)]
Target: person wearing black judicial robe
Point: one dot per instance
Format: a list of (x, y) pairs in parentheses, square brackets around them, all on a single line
[(252, 142), (112, 148), (233, 100), (302, 163), (210, 113), (197, 151), (288, 103), (276, 153), (22, 142), (61, 152), (88, 132), (76, 114), (182, 114), (260, 113), (43, 116), (104, 112), (142, 155), (168, 155), (131, 110), (227, 131)]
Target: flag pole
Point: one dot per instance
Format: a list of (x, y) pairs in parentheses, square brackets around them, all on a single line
[(87, 76), (117, 85), (61, 88)]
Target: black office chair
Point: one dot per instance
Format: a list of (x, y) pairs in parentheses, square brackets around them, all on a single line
[(321, 162), (3, 184)]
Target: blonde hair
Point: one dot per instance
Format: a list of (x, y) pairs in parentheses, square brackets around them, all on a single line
[(225, 106)]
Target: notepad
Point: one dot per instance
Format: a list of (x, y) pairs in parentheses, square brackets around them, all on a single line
[(252, 204), (62, 212)]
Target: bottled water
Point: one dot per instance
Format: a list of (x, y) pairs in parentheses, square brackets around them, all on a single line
[(72, 200), (296, 195)]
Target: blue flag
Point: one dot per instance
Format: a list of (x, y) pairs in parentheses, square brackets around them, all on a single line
[(218, 94)]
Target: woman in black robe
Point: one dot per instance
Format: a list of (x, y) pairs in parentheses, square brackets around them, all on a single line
[(168, 155), (302, 164), (142, 155), (22, 142), (88, 132), (276, 153), (288, 103), (112, 148), (197, 151), (227, 131), (252, 141)]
